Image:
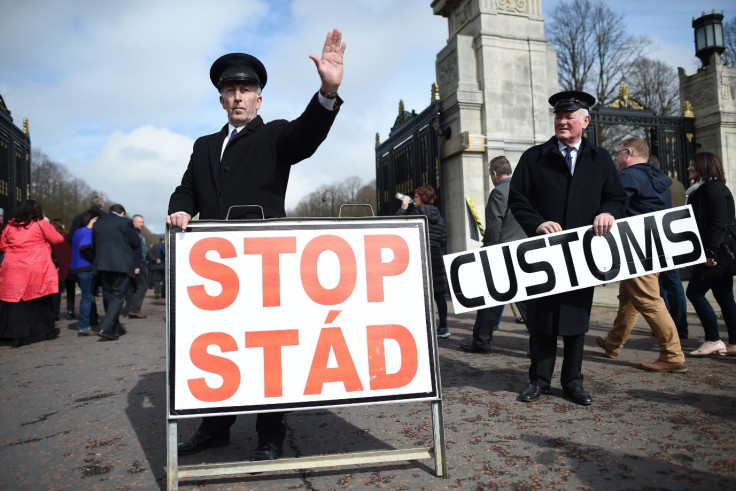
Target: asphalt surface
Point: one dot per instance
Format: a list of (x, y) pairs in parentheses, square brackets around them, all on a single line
[(78, 413)]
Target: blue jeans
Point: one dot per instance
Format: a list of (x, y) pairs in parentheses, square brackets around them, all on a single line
[(723, 293), (86, 284), (670, 289)]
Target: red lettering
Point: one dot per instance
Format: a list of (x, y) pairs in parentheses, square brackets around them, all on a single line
[(223, 367), (376, 269), (211, 270), (331, 339), (270, 248), (272, 342), (310, 276), (377, 336)]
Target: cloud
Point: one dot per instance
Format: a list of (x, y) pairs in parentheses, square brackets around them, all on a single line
[(140, 170)]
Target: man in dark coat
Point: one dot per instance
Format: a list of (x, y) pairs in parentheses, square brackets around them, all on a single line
[(116, 246), (156, 264), (248, 163), (562, 184), (501, 227)]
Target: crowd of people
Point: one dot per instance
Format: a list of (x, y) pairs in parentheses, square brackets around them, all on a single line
[(43, 263)]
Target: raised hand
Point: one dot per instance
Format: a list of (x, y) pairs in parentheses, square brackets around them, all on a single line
[(330, 66)]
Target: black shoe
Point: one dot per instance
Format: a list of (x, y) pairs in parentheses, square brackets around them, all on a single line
[(122, 331), (71, 315), (105, 336), (471, 348), (199, 441), (532, 393), (267, 451), (53, 334), (519, 320), (137, 315), (578, 396), (682, 334)]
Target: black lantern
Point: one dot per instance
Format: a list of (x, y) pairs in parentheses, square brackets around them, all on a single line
[(708, 36)]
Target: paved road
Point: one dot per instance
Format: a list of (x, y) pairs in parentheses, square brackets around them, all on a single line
[(83, 414)]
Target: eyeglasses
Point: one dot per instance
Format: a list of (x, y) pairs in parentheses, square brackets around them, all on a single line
[(615, 154)]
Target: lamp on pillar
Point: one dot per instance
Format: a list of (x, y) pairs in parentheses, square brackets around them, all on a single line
[(708, 36)]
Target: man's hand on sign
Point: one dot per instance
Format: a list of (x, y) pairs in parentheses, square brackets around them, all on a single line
[(548, 228), (603, 223), (179, 219)]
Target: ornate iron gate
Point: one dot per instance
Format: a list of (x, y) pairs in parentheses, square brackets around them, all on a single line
[(671, 139), (409, 158)]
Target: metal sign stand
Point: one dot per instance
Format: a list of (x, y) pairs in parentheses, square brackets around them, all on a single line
[(436, 451), (175, 472)]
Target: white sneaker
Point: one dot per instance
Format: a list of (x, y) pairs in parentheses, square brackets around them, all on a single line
[(710, 348), (443, 333)]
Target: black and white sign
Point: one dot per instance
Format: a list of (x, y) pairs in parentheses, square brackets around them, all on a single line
[(573, 259)]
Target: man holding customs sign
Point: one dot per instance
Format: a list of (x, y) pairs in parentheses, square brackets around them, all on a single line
[(564, 183)]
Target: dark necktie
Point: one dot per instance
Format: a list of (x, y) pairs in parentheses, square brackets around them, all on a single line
[(232, 135), (568, 157)]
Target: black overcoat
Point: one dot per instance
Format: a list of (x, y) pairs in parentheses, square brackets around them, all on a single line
[(117, 245), (437, 243), (544, 190), (255, 165)]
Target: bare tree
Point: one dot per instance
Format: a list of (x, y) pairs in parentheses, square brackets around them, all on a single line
[(330, 197), (655, 85), (574, 44), (60, 194), (729, 40), (594, 52)]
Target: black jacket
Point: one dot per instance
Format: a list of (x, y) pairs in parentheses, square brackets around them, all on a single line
[(543, 189), (437, 242), (713, 208), (255, 166), (117, 245)]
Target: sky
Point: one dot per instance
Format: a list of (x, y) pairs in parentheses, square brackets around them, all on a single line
[(117, 92)]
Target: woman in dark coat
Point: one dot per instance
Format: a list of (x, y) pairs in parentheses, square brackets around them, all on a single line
[(713, 208), (424, 198)]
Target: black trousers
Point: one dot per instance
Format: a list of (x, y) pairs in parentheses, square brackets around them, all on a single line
[(269, 426), (543, 351)]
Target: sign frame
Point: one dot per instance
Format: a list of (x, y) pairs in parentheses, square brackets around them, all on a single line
[(434, 395)]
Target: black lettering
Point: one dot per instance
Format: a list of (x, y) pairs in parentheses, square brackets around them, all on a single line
[(651, 232), (513, 284), (686, 236), (564, 240), (543, 266), (590, 260), (455, 280)]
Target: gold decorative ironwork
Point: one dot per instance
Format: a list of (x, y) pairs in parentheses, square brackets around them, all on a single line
[(690, 137), (435, 91), (378, 139), (25, 125), (687, 110), (624, 100)]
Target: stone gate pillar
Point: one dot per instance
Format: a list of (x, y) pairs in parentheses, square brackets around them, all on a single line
[(495, 75), (711, 92)]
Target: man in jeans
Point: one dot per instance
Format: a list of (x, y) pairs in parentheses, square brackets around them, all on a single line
[(648, 190)]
